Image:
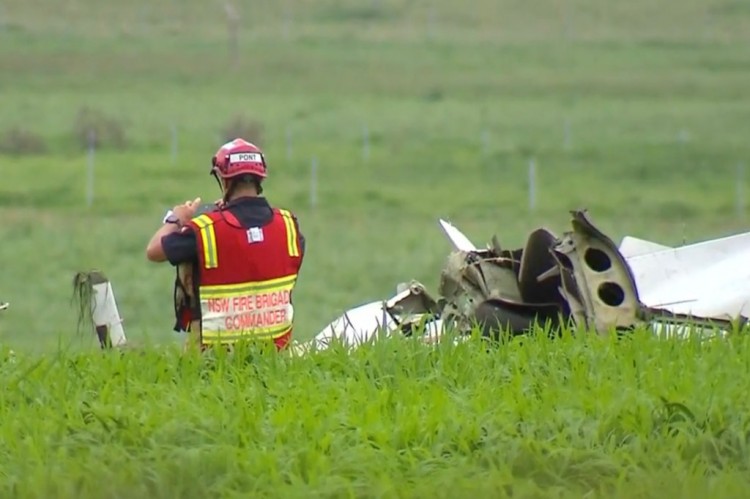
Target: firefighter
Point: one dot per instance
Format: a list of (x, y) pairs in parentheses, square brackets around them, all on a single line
[(237, 263)]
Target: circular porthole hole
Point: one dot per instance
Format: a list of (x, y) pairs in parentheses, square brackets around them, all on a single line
[(597, 260), (611, 293)]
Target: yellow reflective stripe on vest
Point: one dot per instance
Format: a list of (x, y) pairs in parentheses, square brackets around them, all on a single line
[(211, 337), (291, 233), (247, 310), (208, 237)]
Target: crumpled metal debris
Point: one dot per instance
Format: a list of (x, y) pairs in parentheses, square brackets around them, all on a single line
[(579, 279)]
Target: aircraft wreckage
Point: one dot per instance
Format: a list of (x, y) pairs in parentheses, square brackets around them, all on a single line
[(581, 279)]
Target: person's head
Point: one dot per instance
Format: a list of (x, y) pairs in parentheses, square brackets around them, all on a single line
[(240, 168)]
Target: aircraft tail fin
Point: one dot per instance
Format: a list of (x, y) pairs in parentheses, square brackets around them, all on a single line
[(457, 238)]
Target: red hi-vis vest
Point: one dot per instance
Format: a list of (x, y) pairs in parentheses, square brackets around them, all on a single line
[(246, 277)]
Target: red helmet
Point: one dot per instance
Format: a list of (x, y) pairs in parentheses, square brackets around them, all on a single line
[(238, 157)]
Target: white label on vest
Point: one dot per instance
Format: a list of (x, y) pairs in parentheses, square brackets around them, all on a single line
[(255, 235)]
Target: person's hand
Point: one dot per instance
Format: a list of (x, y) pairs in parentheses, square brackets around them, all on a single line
[(185, 212), (219, 203)]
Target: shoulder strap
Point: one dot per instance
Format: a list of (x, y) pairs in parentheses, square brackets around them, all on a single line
[(229, 217), (211, 218), (202, 221), (284, 213)]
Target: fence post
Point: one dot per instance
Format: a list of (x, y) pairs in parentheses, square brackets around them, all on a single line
[(532, 185), (90, 170), (174, 143), (365, 142), (314, 182), (740, 202)]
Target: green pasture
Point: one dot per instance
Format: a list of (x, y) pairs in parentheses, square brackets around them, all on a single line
[(638, 111)]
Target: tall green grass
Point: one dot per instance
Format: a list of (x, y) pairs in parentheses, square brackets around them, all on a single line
[(573, 417)]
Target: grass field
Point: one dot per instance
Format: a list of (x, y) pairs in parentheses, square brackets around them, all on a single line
[(638, 111), (583, 417)]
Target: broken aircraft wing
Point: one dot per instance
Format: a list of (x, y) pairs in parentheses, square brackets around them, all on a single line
[(410, 308), (632, 246), (709, 278)]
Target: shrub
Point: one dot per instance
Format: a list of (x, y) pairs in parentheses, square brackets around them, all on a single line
[(18, 141), (107, 130), (242, 127)]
